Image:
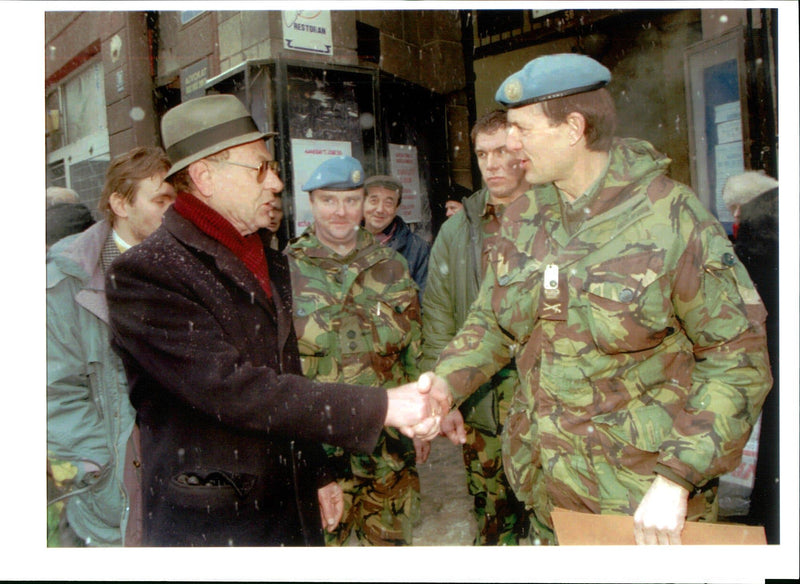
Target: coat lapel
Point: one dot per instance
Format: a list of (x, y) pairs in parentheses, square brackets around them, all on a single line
[(226, 262)]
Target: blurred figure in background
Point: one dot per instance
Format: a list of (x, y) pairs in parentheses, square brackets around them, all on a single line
[(93, 491), (752, 197), (455, 202), (383, 196), (275, 218), (63, 219), (55, 195)]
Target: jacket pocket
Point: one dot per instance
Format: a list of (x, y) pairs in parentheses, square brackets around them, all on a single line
[(313, 323), (515, 300), (644, 427), (627, 311), (210, 490), (390, 320)]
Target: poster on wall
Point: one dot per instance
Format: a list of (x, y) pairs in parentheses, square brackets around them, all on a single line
[(728, 152), (308, 30), (306, 156), (404, 167), (718, 117)]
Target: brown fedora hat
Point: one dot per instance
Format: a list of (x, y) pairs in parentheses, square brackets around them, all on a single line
[(204, 126)]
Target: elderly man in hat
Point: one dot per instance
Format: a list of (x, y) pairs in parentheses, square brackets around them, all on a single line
[(231, 431), (636, 331), (357, 318), (384, 194)]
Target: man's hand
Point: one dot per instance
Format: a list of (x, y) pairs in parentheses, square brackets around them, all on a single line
[(422, 448), (411, 411), (331, 505), (439, 390), (661, 514), (416, 409), (440, 402), (453, 427)]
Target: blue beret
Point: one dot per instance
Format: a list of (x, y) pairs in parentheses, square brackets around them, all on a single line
[(342, 173), (552, 76)]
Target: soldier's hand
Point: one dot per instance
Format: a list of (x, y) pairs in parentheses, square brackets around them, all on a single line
[(439, 390), (661, 515), (422, 448), (440, 401), (331, 505), (453, 427)]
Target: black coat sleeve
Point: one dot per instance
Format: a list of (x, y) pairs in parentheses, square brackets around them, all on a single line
[(172, 320)]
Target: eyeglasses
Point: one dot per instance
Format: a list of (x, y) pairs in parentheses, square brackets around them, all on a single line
[(262, 169)]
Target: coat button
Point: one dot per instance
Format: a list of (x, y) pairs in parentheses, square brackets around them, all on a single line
[(351, 334), (626, 295), (353, 346), (728, 259)]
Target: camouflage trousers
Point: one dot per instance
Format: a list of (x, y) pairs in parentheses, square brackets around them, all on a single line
[(501, 518), (382, 511)]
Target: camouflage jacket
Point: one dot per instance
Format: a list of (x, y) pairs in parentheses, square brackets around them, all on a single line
[(454, 278), (357, 319), (637, 333)]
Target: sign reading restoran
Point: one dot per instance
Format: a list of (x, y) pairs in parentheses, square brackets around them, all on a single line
[(308, 30)]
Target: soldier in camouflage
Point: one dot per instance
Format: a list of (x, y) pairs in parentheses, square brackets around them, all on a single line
[(456, 268), (357, 318), (637, 333)]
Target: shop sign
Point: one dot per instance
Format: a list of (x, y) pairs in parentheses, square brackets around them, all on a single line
[(308, 30), (193, 80)]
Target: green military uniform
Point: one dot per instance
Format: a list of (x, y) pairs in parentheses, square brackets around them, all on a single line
[(638, 336), (357, 319), (454, 276)]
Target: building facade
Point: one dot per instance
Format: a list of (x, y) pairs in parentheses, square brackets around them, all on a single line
[(399, 89)]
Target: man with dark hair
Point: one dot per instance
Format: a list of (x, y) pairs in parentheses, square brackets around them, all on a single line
[(90, 421), (457, 267), (637, 333), (455, 200), (201, 315)]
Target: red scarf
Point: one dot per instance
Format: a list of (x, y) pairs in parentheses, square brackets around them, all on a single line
[(249, 249)]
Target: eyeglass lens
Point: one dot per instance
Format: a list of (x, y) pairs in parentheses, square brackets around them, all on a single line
[(266, 166)]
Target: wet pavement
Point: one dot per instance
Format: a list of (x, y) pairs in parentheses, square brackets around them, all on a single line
[(446, 510)]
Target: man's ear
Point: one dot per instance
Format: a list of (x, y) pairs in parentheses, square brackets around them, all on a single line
[(577, 127), (202, 177), (118, 205)]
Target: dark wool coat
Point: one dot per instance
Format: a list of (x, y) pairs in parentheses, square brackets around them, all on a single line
[(231, 430), (757, 247)]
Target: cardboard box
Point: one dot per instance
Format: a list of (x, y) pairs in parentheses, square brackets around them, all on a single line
[(574, 528)]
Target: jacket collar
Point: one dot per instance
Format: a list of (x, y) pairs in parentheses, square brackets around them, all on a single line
[(79, 257), (225, 260)]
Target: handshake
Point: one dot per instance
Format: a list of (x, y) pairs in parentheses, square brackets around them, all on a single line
[(418, 408)]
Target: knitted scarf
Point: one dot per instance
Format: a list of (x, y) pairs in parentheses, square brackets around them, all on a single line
[(249, 249)]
